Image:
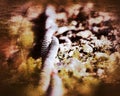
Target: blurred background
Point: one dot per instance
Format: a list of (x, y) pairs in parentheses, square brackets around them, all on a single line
[(8, 6)]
